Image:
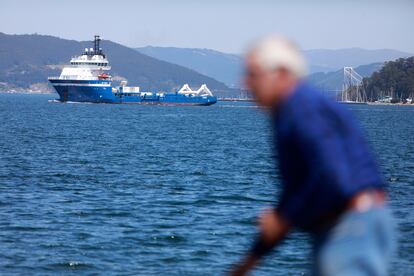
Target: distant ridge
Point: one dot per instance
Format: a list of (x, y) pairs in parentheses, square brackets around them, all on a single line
[(29, 59), (332, 81), (221, 66), (228, 68), (326, 60)]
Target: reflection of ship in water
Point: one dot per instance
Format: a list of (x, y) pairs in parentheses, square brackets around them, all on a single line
[(85, 80)]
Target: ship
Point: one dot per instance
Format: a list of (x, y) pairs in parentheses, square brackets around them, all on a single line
[(87, 79)]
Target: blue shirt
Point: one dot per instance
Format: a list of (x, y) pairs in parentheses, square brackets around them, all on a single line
[(324, 158)]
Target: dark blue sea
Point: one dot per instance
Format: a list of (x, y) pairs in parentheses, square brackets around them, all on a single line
[(160, 190)]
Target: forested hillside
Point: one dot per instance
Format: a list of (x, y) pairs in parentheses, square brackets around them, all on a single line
[(394, 79)]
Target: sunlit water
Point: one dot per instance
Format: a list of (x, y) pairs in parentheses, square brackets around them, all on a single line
[(149, 190)]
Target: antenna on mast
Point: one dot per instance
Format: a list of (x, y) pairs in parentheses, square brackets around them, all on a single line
[(97, 50), (96, 44)]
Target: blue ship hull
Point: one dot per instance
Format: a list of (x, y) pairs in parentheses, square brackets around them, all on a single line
[(100, 91)]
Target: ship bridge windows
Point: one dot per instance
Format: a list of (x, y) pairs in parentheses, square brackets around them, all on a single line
[(90, 63)]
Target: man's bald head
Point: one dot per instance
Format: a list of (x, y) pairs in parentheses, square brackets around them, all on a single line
[(274, 67), (274, 52)]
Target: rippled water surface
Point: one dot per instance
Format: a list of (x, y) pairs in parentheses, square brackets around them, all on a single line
[(150, 190)]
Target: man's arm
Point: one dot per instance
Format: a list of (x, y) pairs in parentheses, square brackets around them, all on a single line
[(273, 229)]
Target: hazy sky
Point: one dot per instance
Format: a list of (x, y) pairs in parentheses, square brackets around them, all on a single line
[(225, 25)]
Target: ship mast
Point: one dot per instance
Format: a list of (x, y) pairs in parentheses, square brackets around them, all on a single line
[(97, 50)]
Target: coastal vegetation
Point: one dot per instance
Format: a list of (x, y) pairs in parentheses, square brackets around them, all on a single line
[(395, 80)]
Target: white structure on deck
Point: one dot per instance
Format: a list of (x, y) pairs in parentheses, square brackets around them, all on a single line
[(202, 91), (123, 88), (91, 65)]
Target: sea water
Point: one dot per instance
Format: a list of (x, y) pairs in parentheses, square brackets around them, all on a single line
[(155, 190)]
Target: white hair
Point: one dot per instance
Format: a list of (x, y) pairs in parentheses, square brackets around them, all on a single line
[(274, 52)]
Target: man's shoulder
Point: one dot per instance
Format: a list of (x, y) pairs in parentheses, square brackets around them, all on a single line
[(312, 100), (305, 103), (311, 111), (309, 108), (313, 95)]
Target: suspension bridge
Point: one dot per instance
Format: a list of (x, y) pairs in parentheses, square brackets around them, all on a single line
[(353, 87)]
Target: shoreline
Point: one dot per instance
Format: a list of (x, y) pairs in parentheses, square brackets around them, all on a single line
[(219, 99), (27, 92), (234, 100), (399, 104)]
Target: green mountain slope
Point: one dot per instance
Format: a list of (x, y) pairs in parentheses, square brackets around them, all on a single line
[(29, 59)]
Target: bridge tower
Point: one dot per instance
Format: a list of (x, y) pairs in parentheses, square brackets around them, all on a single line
[(353, 88)]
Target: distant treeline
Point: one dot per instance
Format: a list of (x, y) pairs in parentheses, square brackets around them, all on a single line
[(395, 79)]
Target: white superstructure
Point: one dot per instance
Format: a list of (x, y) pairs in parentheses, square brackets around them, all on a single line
[(91, 65)]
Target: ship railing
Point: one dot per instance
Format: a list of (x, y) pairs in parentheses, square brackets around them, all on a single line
[(76, 78)]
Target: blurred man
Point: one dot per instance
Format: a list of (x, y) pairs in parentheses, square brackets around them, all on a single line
[(331, 187)]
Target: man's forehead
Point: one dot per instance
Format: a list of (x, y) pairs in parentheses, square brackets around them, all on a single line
[(252, 61)]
